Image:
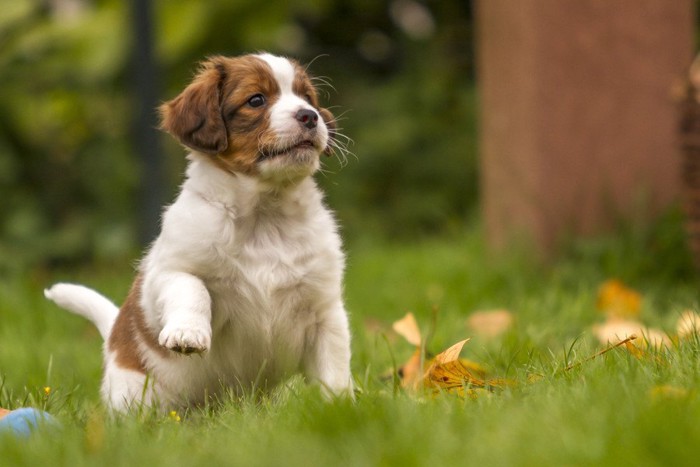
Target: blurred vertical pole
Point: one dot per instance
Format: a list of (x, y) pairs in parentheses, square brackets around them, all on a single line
[(145, 135)]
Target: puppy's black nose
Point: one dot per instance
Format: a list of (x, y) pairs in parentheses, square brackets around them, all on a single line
[(307, 117)]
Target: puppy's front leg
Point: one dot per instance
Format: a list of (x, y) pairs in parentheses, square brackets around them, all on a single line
[(182, 307), (328, 358)]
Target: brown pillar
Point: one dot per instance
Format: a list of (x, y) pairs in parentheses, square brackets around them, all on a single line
[(578, 127)]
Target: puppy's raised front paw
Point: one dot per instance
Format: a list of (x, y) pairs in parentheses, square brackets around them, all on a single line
[(186, 339)]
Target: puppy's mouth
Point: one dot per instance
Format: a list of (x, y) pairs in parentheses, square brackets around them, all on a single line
[(303, 145)]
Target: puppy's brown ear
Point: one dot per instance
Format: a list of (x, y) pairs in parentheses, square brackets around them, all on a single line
[(329, 119), (194, 117)]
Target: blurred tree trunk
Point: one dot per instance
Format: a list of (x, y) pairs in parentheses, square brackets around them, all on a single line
[(578, 129)]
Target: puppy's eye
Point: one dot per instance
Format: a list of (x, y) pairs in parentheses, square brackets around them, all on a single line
[(257, 100), (308, 99)]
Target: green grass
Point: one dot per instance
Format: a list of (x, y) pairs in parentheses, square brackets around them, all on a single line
[(603, 412)]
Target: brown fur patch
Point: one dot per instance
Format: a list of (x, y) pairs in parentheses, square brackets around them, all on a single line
[(212, 114), (129, 330), (248, 127), (194, 117)]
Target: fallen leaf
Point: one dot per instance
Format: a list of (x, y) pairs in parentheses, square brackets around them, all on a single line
[(411, 371), (667, 391), (688, 324), (615, 299), (448, 373), (633, 349), (490, 323), (615, 329), (451, 354), (408, 329)]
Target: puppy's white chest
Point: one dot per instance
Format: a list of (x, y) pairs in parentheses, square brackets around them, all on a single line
[(266, 273), (263, 304)]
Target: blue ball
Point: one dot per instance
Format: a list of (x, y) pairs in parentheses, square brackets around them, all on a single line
[(23, 422)]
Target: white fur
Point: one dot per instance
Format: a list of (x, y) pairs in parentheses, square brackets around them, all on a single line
[(248, 272), (282, 120), (124, 389), (87, 303)]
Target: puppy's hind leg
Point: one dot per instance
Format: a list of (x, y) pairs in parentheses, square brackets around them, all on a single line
[(125, 389)]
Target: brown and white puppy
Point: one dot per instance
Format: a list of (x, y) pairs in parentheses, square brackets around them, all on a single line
[(246, 272)]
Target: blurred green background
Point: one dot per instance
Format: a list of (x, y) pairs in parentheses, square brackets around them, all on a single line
[(71, 177)]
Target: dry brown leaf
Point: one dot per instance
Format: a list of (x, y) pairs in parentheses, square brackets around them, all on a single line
[(408, 329), (688, 324), (490, 323), (615, 299), (410, 373), (451, 354), (448, 373)]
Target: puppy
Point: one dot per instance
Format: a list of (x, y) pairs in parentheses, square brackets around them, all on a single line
[(243, 286)]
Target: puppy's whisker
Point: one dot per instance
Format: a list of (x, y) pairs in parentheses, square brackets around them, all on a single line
[(306, 67), (323, 82)]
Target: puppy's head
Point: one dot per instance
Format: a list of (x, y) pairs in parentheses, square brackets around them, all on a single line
[(254, 114)]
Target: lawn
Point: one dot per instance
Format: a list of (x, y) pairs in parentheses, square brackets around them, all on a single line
[(617, 409)]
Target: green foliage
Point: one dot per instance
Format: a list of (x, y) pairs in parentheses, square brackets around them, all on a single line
[(69, 176)]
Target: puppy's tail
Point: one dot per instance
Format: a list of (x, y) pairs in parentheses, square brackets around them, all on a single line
[(85, 302)]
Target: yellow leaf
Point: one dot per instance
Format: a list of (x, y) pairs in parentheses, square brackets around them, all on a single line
[(616, 299), (408, 329), (473, 368), (688, 324), (411, 373), (451, 354), (490, 323), (633, 349), (666, 391), (448, 373)]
